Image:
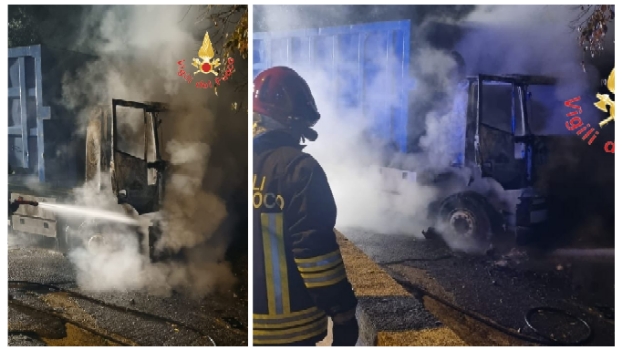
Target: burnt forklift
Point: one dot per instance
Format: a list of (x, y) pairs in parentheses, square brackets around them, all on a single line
[(500, 152), (123, 157)]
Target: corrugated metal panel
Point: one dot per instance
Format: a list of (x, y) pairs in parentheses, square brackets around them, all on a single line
[(45, 139), (370, 62), (26, 111)]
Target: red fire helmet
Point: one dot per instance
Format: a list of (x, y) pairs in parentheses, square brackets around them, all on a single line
[(282, 94)]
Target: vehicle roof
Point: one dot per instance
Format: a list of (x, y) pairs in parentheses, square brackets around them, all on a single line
[(519, 79)]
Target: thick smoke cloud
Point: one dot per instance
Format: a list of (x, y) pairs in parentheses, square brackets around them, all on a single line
[(347, 151), (537, 40), (138, 48), (534, 40)]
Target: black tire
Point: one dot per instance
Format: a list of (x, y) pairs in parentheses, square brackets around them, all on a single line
[(466, 217), (67, 239)]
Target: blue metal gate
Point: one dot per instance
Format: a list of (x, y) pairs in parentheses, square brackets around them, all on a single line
[(26, 112), (370, 63)]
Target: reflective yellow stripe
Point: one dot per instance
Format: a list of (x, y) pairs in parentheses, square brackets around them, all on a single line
[(277, 282), (310, 335), (288, 322), (318, 259), (282, 263), (340, 275), (285, 332), (305, 312), (320, 268), (325, 278), (323, 274), (265, 233)]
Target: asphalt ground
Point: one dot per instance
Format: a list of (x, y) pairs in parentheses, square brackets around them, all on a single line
[(484, 299), (387, 314), (46, 307)]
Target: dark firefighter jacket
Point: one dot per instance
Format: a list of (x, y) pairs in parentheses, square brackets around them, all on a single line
[(298, 273), (13, 206)]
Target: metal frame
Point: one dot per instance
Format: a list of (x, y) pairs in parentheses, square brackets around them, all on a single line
[(42, 112), (519, 84), (153, 107), (150, 107)]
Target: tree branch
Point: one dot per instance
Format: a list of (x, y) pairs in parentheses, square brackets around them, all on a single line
[(229, 32), (592, 30)]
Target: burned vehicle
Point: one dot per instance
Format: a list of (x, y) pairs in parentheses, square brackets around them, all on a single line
[(503, 157), (489, 187), (51, 154), (123, 157)]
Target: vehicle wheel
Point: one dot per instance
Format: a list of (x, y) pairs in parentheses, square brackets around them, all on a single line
[(97, 239), (464, 217), (68, 239), (98, 243)]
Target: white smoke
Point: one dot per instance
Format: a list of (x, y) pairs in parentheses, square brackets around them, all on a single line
[(537, 40), (349, 154), (113, 257), (192, 215), (138, 48)]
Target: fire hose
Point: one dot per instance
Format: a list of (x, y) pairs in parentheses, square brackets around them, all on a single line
[(545, 339), (534, 310), (18, 284), (13, 206)]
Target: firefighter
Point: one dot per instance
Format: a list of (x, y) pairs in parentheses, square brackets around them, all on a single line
[(13, 206), (299, 279)]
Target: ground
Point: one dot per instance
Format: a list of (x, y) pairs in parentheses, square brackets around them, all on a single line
[(47, 308), (484, 299)]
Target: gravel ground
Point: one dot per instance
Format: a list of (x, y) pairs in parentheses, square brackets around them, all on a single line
[(133, 318), (389, 315), (501, 290)]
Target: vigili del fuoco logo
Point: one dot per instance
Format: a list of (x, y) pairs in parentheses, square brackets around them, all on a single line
[(208, 65), (604, 101)]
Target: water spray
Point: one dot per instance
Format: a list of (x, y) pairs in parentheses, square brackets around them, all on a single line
[(73, 210)]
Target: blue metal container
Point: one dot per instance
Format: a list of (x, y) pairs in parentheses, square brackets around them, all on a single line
[(44, 136), (369, 63)]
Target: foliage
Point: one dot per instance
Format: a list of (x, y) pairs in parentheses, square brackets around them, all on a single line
[(592, 26), (230, 36), (22, 28), (223, 17)]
